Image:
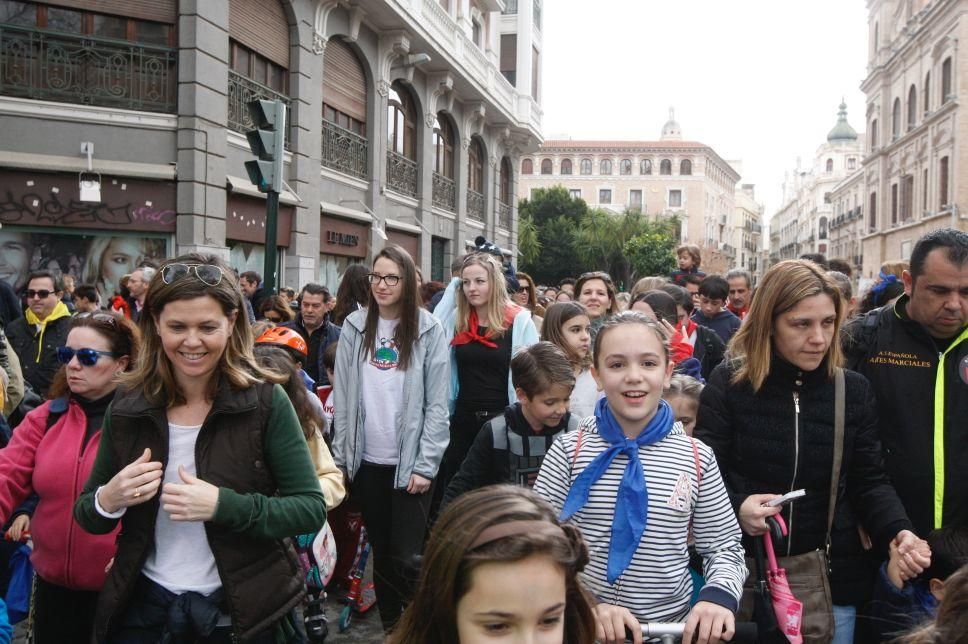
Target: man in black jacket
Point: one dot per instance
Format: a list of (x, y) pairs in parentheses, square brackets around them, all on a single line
[(312, 323), (915, 353), (36, 336)]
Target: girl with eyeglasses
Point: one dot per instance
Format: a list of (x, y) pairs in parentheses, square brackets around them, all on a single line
[(485, 328), (51, 454), (204, 464), (390, 421)]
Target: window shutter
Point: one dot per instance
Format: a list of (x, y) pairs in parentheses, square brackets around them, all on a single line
[(262, 27), (344, 85), (157, 10)]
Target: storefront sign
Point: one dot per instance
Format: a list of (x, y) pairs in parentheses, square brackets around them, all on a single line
[(343, 238), (245, 220)]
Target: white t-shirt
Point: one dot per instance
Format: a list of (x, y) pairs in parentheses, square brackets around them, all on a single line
[(182, 560), (328, 408), (381, 388), (585, 395)]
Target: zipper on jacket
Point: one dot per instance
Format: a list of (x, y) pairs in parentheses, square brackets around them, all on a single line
[(796, 463)]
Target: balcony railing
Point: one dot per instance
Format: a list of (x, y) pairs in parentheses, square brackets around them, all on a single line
[(504, 215), (241, 91), (401, 174), (475, 205), (344, 151), (50, 66), (445, 192)]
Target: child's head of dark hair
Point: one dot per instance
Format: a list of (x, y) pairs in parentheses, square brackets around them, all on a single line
[(630, 317), (949, 552), (662, 303), (329, 356), (537, 368), (692, 278), (714, 287), (680, 295)]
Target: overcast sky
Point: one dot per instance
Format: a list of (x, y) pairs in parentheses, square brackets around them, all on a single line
[(758, 80)]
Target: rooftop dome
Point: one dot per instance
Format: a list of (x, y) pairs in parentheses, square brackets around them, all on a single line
[(671, 130), (842, 131)]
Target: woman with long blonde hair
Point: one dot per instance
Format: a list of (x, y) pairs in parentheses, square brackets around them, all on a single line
[(485, 329), (203, 461), (769, 413)]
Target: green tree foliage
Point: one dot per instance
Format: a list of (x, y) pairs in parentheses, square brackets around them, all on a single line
[(653, 252), (548, 253), (528, 243), (551, 203)]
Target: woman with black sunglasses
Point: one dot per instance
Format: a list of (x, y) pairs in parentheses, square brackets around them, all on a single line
[(204, 464), (51, 454)]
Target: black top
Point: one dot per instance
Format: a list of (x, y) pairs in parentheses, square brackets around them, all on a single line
[(483, 372), (94, 410)]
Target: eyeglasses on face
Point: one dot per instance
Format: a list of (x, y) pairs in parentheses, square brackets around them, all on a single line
[(524, 289), (87, 357), (389, 280), (207, 273), (42, 293), (273, 318)]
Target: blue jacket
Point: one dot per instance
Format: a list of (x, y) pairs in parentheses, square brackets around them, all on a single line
[(895, 611), (725, 324), (423, 431), (523, 334), (6, 631)]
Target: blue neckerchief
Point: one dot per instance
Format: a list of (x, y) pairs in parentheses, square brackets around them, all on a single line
[(632, 498)]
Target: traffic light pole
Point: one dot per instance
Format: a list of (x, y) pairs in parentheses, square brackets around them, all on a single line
[(272, 217)]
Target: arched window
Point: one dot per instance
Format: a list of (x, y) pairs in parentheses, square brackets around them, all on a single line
[(874, 134), (527, 166), (665, 166), (566, 166), (946, 80), (685, 167), (401, 123), (443, 147), (625, 166), (896, 119), (506, 181), (912, 108), (926, 94), (585, 166), (546, 166), (605, 167), (475, 165), (645, 166), (830, 165)]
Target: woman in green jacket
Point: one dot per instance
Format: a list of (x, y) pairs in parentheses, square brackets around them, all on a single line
[(203, 461)]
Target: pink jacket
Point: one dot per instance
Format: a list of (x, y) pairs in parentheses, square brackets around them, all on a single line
[(55, 464)]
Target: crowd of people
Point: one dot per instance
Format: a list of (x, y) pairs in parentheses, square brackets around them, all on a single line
[(532, 463)]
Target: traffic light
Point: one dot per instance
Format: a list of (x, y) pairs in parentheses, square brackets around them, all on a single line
[(267, 143)]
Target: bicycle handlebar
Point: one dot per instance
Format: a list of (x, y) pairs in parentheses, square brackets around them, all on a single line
[(746, 632)]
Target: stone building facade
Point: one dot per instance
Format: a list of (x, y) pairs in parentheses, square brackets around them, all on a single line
[(661, 178), (407, 120)]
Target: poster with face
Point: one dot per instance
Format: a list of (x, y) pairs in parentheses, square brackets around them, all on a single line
[(100, 260)]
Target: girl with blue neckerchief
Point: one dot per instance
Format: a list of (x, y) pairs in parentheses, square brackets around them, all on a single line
[(636, 485)]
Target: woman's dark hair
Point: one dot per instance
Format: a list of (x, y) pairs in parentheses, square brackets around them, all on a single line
[(353, 292), (880, 294), (408, 329), (429, 289), (274, 358), (451, 557), (951, 624), (555, 317), (278, 305), (680, 295), (123, 339), (662, 303)]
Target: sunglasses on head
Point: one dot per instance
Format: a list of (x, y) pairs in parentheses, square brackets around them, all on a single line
[(87, 357), (42, 293), (100, 317), (207, 273)]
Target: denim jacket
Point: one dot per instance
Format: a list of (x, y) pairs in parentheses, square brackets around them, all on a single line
[(423, 433)]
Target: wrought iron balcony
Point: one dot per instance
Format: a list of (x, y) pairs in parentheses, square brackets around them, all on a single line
[(344, 151), (52, 66), (445, 192), (401, 174), (504, 215), (475, 205), (241, 91)]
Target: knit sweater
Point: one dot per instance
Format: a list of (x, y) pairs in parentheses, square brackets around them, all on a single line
[(656, 586)]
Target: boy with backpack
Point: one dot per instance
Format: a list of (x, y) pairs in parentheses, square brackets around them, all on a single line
[(510, 448)]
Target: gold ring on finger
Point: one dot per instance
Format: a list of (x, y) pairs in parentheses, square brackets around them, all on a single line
[(137, 494)]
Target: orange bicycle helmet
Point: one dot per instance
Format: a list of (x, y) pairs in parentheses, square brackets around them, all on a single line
[(285, 338)]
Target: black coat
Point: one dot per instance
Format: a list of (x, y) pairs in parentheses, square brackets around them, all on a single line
[(38, 363), (709, 350), (760, 452)]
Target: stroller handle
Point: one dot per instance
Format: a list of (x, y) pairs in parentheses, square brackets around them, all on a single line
[(746, 632)]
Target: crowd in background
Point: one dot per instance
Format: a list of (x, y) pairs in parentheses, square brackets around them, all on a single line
[(165, 444)]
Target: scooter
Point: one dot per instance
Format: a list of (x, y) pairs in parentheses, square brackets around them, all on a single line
[(361, 597), (669, 633)]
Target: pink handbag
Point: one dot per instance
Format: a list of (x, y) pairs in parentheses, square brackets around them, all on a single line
[(788, 609)]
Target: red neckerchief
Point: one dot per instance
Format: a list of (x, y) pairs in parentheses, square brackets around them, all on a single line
[(740, 313), (687, 328), (471, 334)]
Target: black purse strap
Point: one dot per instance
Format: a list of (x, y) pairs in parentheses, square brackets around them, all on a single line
[(840, 396)]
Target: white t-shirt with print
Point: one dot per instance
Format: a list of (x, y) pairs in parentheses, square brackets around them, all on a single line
[(381, 390)]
